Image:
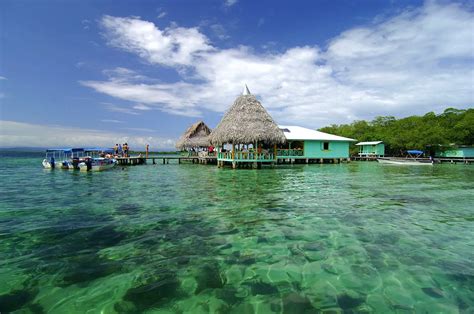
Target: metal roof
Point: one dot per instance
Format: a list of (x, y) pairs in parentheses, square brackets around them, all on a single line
[(299, 133), (65, 150), (369, 143), (98, 149)]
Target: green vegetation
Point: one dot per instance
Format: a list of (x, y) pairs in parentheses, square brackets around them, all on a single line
[(453, 126)]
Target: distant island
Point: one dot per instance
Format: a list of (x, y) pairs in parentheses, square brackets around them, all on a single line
[(427, 132)]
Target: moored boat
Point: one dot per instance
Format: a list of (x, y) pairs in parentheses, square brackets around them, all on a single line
[(414, 158), (405, 161), (57, 158), (97, 159), (97, 164)]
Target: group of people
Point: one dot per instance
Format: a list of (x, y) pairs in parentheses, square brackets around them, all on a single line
[(121, 150)]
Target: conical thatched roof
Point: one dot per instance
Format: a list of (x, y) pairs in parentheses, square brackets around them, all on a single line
[(247, 122), (197, 135)]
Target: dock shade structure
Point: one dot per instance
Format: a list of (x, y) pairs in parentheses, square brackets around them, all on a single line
[(371, 149), (247, 133), (311, 145), (195, 137)]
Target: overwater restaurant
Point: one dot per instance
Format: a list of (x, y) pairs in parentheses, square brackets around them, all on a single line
[(248, 136)]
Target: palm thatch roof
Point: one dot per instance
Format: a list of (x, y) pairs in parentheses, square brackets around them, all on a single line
[(197, 135), (247, 122)]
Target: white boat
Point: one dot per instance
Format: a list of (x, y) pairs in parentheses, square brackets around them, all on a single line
[(95, 160), (405, 161), (58, 158), (97, 164), (413, 159)]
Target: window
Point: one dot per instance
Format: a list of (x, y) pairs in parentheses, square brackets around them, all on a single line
[(325, 145)]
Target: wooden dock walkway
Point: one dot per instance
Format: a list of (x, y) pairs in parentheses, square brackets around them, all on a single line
[(139, 160), (436, 160)]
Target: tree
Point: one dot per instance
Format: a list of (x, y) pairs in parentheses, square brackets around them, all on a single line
[(453, 126)]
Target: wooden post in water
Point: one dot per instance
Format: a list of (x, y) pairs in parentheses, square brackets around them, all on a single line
[(146, 154)]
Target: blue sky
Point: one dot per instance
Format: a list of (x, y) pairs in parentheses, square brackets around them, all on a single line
[(99, 72)]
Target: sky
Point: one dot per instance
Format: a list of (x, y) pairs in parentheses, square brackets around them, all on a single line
[(82, 73)]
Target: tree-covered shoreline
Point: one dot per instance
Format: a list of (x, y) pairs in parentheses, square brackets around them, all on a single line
[(428, 132)]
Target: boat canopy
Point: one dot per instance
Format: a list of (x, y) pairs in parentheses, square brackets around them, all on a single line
[(99, 149), (54, 150), (415, 152)]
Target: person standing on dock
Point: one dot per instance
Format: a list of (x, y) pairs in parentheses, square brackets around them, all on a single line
[(120, 151), (116, 149), (125, 150)]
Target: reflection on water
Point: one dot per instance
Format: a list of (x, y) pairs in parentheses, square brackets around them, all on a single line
[(191, 238)]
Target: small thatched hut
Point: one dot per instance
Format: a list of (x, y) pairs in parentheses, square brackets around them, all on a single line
[(247, 124), (197, 135)]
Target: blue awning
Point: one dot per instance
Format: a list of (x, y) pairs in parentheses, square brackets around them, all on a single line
[(64, 150), (99, 149), (415, 152)]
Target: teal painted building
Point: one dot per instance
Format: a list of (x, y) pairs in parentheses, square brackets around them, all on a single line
[(303, 143), (251, 137), (457, 152), (371, 149)]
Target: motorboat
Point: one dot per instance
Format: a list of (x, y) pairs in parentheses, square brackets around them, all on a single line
[(58, 158), (413, 159), (97, 159), (405, 161)]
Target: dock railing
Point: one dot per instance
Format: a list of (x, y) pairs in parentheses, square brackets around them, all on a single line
[(246, 156), (290, 153)]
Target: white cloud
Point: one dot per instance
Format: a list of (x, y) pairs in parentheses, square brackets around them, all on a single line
[(16, 134), (173, 46), (85, 24), (115, 108), (111, 121), (229, 3), (219, 31), (161, 15), (141, 107), (417, 61), (140, 129), (2, 78)]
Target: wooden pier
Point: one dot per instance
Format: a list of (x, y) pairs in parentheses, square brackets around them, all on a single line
[(436, 160), (138, 160), (364, 158), (466, 161)]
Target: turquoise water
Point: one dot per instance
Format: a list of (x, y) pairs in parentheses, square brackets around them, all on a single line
[(358, 237)]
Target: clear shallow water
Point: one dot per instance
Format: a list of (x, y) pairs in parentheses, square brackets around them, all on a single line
[(359, 237)]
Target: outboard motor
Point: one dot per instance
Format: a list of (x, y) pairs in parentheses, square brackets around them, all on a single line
[(75, 163), (52, 163), (89, 164)]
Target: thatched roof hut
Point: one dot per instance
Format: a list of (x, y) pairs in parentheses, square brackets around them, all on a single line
[(247, 122), (197, 135)]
